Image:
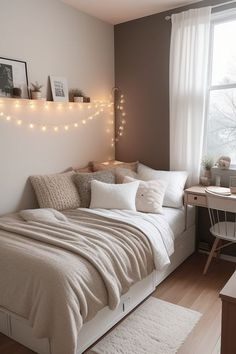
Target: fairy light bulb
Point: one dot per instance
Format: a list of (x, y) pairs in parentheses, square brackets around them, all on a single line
[(32, 105), (55, 129), (84, 121), (1, 114), (76, 125), (8, 118), (89, 106), (66, 127), (70, 107), (123, 114), (17, 105), (31, 126), (46, 106), (123, 121), (19, 122), (44, 128)]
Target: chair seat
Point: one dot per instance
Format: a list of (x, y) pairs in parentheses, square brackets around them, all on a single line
[(225, 230)]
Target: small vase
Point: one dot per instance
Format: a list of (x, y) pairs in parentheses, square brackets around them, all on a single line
[(78, 99), (207, 174), (36, 95)]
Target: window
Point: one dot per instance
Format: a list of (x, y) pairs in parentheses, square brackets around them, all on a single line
[(221, 126)]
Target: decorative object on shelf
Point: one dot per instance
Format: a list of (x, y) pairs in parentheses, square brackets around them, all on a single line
[(120, 114), (232, 184), (76, 95), (13, 73), (16, 92), (36, 93), (224, 162), (207, 164), (59, 89), (86, 99)]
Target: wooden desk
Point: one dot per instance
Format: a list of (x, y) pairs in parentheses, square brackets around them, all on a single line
[(196, 195), (228, 325)]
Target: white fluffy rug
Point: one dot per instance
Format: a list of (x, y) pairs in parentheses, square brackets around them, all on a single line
[(156, 327)]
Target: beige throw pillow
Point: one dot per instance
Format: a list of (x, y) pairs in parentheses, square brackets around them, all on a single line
[(56, 191), (150, 195), (108, 165), (121, 172)]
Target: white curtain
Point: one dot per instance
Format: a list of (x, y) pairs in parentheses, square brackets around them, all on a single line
[(189, 54)]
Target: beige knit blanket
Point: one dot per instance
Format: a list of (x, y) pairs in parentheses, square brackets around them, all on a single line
[(58, 275)]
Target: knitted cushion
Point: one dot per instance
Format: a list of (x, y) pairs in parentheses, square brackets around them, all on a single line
[(56, 191)]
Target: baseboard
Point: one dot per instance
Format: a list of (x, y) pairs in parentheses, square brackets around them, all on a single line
[(222, 256)]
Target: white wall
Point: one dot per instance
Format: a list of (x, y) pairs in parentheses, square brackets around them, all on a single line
[(52, 38)]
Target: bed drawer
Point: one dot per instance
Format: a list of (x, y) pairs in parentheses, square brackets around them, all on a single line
[(196, 199), (4, 323)]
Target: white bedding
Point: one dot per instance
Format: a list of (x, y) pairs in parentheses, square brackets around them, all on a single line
[(176, 219)]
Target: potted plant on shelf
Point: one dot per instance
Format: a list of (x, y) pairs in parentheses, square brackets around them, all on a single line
[(77, 95), (36, 93), (207, 164)]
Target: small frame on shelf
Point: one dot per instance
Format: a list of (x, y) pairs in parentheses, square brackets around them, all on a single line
[(59, 89), (13, 74)]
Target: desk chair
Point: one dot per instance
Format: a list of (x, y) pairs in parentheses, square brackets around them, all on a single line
[(222, 228)]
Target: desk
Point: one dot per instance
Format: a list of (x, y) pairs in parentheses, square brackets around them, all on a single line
[(228, 324), (196, 195), (222, 231)]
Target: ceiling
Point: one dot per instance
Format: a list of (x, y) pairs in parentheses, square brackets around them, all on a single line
[(117, 11)]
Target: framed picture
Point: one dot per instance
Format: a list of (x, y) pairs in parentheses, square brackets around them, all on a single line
[(13, 73), (59, 89)]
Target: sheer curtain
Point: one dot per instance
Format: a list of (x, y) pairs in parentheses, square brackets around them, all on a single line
[(189, 54)]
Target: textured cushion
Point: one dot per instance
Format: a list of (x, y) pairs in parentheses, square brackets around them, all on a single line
[(86, 169), (113, 196), (175, 183), (56, 191), (83, 183), (150, 195), (100, 166), (120, 173)]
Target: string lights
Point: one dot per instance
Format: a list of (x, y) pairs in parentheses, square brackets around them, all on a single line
[(84, 113), (93, 110), (119, 101)]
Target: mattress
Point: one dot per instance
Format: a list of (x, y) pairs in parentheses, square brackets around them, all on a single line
[(176, 218)]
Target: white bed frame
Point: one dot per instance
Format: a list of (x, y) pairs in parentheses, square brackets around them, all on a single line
[(19, 329)]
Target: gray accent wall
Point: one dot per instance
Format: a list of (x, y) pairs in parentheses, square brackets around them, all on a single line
[(142, 74)]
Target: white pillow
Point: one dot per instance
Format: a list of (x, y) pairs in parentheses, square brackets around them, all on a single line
[(113, 196), (150, 195), (176, 181)]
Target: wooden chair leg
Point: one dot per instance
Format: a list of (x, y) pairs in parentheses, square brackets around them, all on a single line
[(211, 254), (219, 250)]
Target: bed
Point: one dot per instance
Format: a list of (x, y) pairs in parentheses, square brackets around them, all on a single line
[(31, 332)]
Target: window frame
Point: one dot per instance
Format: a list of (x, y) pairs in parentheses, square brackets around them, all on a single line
[(218, 17)]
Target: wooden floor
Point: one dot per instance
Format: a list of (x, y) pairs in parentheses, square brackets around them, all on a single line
[(187, 287)]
